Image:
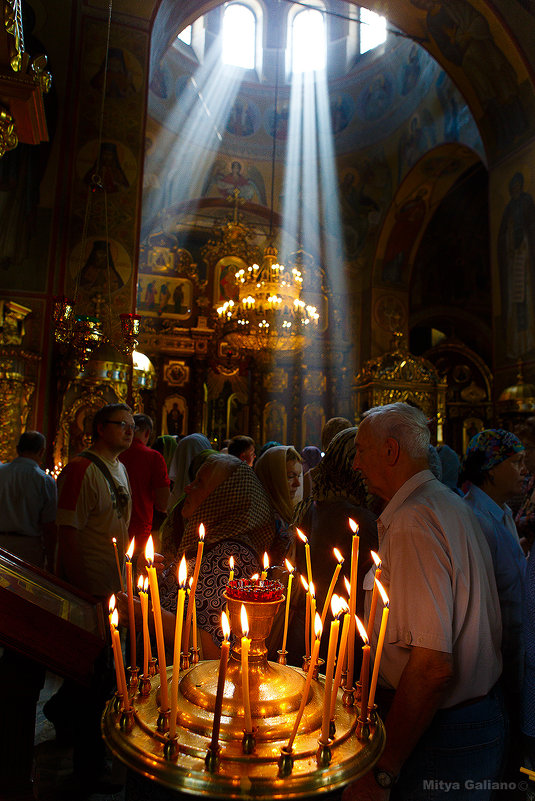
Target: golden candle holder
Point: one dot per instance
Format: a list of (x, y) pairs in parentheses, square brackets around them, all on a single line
[(194, 656), (144, 686), (133, 677), (230, 771), (282, 659), (153, 666)]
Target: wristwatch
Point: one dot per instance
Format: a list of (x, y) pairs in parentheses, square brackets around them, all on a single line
[(384, 778)]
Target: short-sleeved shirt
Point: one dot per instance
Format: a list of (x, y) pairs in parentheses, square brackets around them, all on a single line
[(28, 497), (147, 472), (87, 504), (510, 567), (438, 573)]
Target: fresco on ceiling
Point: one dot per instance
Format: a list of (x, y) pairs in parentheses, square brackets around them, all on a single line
[(463, 37), (516, 262), (365, 189), (416, 139), (243, 119), (367, 104), (225, 177)]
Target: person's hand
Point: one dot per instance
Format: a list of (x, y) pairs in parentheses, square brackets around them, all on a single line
[(122, 608), (365, 789)]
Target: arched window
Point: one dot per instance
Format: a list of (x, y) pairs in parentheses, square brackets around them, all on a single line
[(372, 30), (308, 41), (239, 36), (185, 35)]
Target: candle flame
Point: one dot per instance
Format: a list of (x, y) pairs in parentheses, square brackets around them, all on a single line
[(140, 582), (244, 621), (353, 526), (338, 556), (182, 573), (266, 561), (130, 551), (344, 606), (201, 532), (146, 584), (190, 582), (290, 568), (111, 605), (149, 551), (381, 589), (255, 576), (231, 563), (348, 585), (336, 605), (114, 540), (362, 630), (304, 583), (312, 589), (115, 618), (318, 628), (376, 558), (225, 626), (301, 536)]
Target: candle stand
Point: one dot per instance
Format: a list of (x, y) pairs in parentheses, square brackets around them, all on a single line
[(257, 766)]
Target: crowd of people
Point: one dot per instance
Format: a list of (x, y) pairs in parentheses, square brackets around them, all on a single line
[(453, 532)]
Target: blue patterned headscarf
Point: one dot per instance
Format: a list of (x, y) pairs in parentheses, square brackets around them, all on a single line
[(494, 446)]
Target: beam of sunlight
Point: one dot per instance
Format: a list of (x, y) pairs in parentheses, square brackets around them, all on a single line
[(200, 114)]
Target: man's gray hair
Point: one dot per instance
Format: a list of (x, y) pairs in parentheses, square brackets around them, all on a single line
[(405, 423)]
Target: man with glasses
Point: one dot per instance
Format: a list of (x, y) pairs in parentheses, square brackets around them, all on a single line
[(94, 507)]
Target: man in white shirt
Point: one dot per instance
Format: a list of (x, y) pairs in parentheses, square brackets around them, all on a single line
[(441, 657)]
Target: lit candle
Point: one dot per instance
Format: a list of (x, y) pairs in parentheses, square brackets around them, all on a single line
[(191, 599), (142, 584), (304, 539), (329, 668), (119, 571), (182, 579), (364, 671), (379, 649), (255, 576), (231, 566), (307, 616), (332, 585), (157, 614), (341, 657), (312, 594), (130, 591), (118, 654), (290, 569), (245, 645), (263, 574), (223, 661), (373, 607), (194, 621), (304, 697), (352, 604)]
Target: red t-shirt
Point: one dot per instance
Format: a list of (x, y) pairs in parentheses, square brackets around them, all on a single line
[(147, 472)]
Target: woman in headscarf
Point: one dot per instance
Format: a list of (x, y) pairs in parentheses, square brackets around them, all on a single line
[(166, 445), (280, 471), (187, 448), (339, 493), (228, 499)]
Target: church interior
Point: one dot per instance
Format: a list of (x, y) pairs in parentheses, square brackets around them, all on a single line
[(252, 216), (142, 170)]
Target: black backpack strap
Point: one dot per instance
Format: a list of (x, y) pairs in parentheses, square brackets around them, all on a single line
[(119, 495)]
